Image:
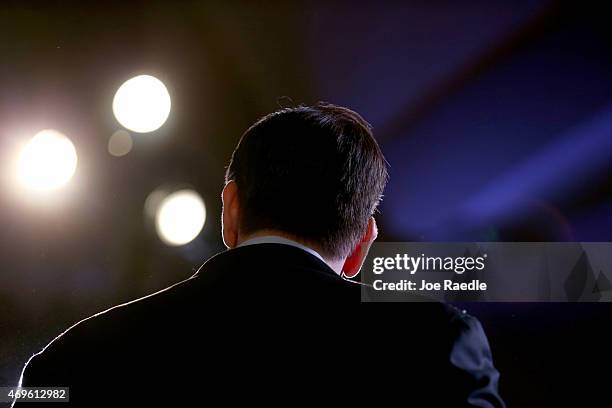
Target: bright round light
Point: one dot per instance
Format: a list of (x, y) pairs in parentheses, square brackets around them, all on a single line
[(142, 104), (180, 217), (48, 161)]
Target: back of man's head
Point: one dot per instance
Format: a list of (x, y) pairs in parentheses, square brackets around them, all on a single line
[(312, 172)]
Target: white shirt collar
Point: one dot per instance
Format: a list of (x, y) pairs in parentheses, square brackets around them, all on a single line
[(274, 239)]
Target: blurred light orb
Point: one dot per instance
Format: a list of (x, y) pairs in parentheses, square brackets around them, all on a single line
[(142, 104), (180, 217), (120, 143), (48, 161)]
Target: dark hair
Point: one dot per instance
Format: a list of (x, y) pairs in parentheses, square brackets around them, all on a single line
[(314, 172)]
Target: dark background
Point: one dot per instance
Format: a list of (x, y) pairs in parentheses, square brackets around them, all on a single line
[(495, 117)]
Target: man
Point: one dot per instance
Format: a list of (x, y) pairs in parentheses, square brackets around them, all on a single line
[(272, 320)]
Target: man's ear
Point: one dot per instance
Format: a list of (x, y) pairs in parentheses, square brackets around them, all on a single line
[(355, 260), (230, 214)]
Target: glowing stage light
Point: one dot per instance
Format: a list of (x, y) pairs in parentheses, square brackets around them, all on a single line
[(120, 143), (142, 104), (47, 162), (180, 217)]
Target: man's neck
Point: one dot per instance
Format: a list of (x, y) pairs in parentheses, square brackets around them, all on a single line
[(283, 238)]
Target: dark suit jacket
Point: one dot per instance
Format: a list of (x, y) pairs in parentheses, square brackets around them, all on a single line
[(264, 324)]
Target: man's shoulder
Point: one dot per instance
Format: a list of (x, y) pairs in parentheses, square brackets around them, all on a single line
[(125, 315), (234, 278), (108, 345)]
